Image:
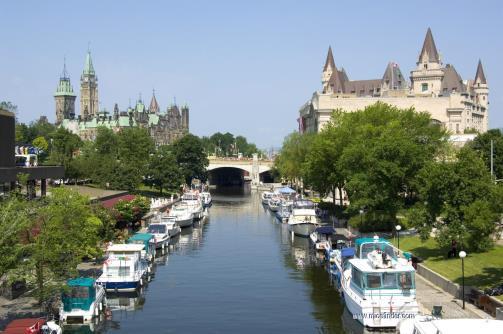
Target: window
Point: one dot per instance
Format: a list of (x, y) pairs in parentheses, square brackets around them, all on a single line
[(457, 128), (406, 280), (362, 92), (373, 281), (425, 66), (424, 87), (357, 278), (389, 281)]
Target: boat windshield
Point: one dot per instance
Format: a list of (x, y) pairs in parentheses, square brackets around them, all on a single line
[(157, 228), (401, 280), (303, 205), (369, 247), (306, 218)]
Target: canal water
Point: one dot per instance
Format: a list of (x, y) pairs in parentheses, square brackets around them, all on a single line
[(240, 272)]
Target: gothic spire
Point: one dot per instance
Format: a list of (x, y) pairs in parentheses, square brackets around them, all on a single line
[(330, 60), (64, 74), (88, 66), (480, 76), (154, 106), (429, 49)]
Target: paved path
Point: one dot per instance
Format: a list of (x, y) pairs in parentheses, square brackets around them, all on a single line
[(429, 295)]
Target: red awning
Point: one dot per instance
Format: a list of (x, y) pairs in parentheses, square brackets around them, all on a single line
[(110, 203)]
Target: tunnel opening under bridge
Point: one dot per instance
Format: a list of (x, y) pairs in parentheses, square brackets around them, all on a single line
[(228, 177)]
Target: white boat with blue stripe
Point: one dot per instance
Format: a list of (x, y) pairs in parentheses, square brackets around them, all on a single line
[(124, 269)]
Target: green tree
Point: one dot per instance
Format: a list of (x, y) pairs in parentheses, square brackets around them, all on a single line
[(482, 144), (15, 221), (41, 143), (64, 147), (66, 231), (190, 156), (459, 200), (293, 155), (164, 171), (322, 166), (384, 149)]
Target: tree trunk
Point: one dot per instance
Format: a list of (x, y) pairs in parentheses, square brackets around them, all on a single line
[(341, 200), (333, 195), (39, 270)]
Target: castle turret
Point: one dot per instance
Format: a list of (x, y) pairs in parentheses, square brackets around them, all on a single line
[(64, 98), (89, 106), (427, 78), (328, 69), (185, 117), (480, 87)]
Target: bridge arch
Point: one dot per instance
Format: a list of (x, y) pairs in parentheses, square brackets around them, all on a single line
[(228, 176)]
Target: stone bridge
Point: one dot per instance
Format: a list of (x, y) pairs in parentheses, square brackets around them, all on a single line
[(250, 168)]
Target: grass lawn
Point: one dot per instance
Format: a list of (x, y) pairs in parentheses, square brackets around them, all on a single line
[(481, 269), (151, 192)]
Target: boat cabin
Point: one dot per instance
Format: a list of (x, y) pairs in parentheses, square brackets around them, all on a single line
[(368, 280), (148, 241), (157, 229), (80, 294)]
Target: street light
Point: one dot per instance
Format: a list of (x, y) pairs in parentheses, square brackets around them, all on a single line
[(361, 217), (398, 228), (462, 255)]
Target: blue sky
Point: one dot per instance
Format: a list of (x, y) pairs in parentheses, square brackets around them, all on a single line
[(242, 66)]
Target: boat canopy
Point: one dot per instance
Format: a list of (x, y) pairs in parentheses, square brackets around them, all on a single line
[(80, 294), (81, 281), (286, 190), (360, 241), (329, 230), (144, 237), (348, 252), (125, 248), (303, 204)]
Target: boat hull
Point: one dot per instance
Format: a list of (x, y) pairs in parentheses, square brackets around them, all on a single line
[(121, 286), (185, 222), (302, 229)]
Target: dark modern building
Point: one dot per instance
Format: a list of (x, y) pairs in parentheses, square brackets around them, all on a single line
[(9, 171)]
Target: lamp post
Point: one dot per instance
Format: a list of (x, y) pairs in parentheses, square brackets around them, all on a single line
[(398, 228), (361, 217), (462, 255)]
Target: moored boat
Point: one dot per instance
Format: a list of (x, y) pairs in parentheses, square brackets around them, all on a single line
[(182, 215), (284, 211), (378, 286), (124, 268), (266, 196), (32, 326), (149, 243), (303, 220), (431, 325), (173, 227), (193, 202), (321, 238), (206, 199), (160, 231), (274, 203), (82, 301)]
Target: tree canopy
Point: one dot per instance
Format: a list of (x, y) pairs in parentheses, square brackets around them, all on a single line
[(190, 155)]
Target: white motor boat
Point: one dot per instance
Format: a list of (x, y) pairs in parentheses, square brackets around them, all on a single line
[(274, 203), (303, 222), (173, 227), (83, 301), (321, 238), (431, 325), (206, 199), (182, 214), (378, 287), (194, 203), (160, 231), (124, 268), (266, 196)]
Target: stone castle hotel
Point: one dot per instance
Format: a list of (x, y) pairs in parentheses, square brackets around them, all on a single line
[(164, 127), (434, 87)]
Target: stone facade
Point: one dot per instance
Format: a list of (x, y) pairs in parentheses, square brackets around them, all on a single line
[(164, 127), (435, 88)]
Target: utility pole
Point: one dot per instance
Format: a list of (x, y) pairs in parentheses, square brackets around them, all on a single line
[(492, 163)]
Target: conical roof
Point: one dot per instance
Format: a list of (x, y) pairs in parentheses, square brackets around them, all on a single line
[(480, 76), (330, 60), (429, 48), (88, 66), (154, 106)]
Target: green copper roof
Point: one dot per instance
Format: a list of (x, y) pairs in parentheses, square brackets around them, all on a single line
[(64, 88), (88, 67)]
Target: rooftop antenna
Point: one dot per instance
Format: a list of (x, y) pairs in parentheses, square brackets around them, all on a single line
[(89, 47)]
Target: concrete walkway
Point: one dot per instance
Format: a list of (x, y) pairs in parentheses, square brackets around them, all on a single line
[(429, 295)]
